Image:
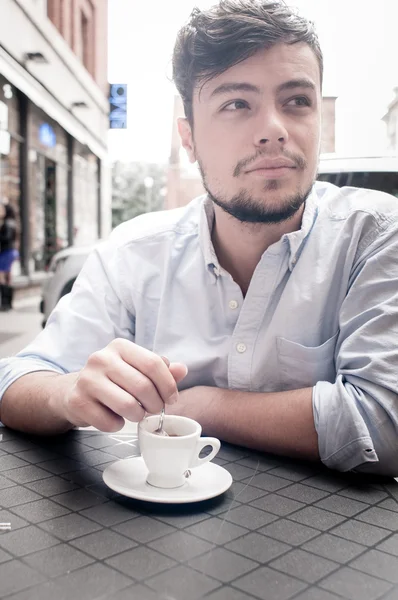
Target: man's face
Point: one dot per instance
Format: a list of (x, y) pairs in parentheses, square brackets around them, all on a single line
[(256, 133)]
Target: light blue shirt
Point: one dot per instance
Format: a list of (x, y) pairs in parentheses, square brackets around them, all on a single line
[(321, 311)]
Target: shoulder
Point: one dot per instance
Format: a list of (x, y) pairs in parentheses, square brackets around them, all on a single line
[(151, 237), (159, 226), (349, 203)]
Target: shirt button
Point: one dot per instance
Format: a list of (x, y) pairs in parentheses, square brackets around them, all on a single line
[(241, 348), (233, 304)]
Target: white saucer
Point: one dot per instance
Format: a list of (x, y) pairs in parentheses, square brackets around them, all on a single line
[(128, 477)]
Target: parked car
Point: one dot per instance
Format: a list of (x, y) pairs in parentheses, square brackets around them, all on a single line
[(377, 173), (64, 267), (374, 173)]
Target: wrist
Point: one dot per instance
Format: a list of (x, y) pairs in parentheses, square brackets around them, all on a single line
[(59, 392)]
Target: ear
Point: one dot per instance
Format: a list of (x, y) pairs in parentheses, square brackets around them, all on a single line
[(185, 131)]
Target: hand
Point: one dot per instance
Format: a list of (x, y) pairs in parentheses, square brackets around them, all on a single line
[(122, 381)]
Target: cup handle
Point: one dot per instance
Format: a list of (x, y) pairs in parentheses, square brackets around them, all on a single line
[(202, 443)]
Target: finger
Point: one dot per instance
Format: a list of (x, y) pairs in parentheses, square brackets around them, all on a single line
[(104, 419), (179, 371), (165, 360), (151, 365), (135, 384), (84, 412), (117, 399)]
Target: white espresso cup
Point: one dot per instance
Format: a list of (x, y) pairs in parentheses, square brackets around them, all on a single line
[(169, 458)]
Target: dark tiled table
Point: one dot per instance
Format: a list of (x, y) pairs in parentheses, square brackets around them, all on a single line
[(284, 530)]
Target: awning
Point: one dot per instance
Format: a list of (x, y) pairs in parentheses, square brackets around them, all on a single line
[(27, 84)]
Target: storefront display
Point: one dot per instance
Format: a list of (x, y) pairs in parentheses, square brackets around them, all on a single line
[(9, 147), (60, 202)]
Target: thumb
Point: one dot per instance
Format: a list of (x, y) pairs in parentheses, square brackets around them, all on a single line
[(178, 370)]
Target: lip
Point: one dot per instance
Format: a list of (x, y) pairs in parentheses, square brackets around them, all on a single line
[(272, 165), (271, 173)]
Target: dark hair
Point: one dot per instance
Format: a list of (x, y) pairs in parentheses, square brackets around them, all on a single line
[(216, 39), (9, 212)]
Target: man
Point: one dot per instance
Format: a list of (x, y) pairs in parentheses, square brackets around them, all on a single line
[(275, 298)]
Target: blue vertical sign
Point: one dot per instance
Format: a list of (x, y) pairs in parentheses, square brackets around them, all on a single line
[(118, 106)]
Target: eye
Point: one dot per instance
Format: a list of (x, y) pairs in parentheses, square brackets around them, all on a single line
[(299, 101), (236, 105)]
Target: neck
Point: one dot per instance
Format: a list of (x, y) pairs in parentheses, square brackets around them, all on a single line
[(240, 246)]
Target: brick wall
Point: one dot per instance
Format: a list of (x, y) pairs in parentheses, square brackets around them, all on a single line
[(328, 138), (83, 25)]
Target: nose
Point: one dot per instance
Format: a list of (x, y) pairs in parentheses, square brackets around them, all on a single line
[(270, 129)]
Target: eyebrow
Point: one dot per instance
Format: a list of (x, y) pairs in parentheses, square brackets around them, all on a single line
[(297, 83), (226, 88)]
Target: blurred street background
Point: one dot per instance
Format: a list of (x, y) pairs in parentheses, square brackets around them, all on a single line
[(87, 124), (19, 326)]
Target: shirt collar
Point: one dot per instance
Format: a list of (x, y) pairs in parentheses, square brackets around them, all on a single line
[(295, 239), (205, 228)]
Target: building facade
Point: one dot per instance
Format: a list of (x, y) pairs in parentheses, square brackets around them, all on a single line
[(54, 124), (183, 180)]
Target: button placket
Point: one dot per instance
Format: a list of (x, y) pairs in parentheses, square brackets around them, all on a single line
[(245, 335)]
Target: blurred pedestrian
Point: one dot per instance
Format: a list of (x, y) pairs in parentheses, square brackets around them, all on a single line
[(8, 253)]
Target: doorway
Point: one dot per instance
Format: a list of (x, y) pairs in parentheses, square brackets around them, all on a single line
[(50, 211)]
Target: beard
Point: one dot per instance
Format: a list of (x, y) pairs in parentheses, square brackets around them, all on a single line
[(247, 209)]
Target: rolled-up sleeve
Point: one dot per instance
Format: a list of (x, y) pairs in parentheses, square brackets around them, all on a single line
[(84, 321), (356, 416)]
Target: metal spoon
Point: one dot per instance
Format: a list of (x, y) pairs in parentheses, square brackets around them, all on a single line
[(160, 430)]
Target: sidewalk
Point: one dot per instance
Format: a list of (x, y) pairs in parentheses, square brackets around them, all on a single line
[(20, 325), (25, 287)]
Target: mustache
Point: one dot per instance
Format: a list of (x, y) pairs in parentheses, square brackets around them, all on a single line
[(298, 160)]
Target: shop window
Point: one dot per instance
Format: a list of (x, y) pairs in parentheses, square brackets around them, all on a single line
[(84, 29), (48, 188), (9, 148)]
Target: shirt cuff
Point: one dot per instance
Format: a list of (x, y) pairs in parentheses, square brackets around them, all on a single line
[(13, 368), (344, 440)]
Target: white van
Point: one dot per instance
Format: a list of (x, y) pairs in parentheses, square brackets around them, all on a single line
[(64, 267), (374, 173)]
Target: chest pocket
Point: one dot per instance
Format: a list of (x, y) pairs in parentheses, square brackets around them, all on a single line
[(303, 366)]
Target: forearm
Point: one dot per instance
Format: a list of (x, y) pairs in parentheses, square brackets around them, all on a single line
[(279, 422), (31, 404)]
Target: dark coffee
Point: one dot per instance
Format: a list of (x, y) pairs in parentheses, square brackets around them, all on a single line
[(168, 434)]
